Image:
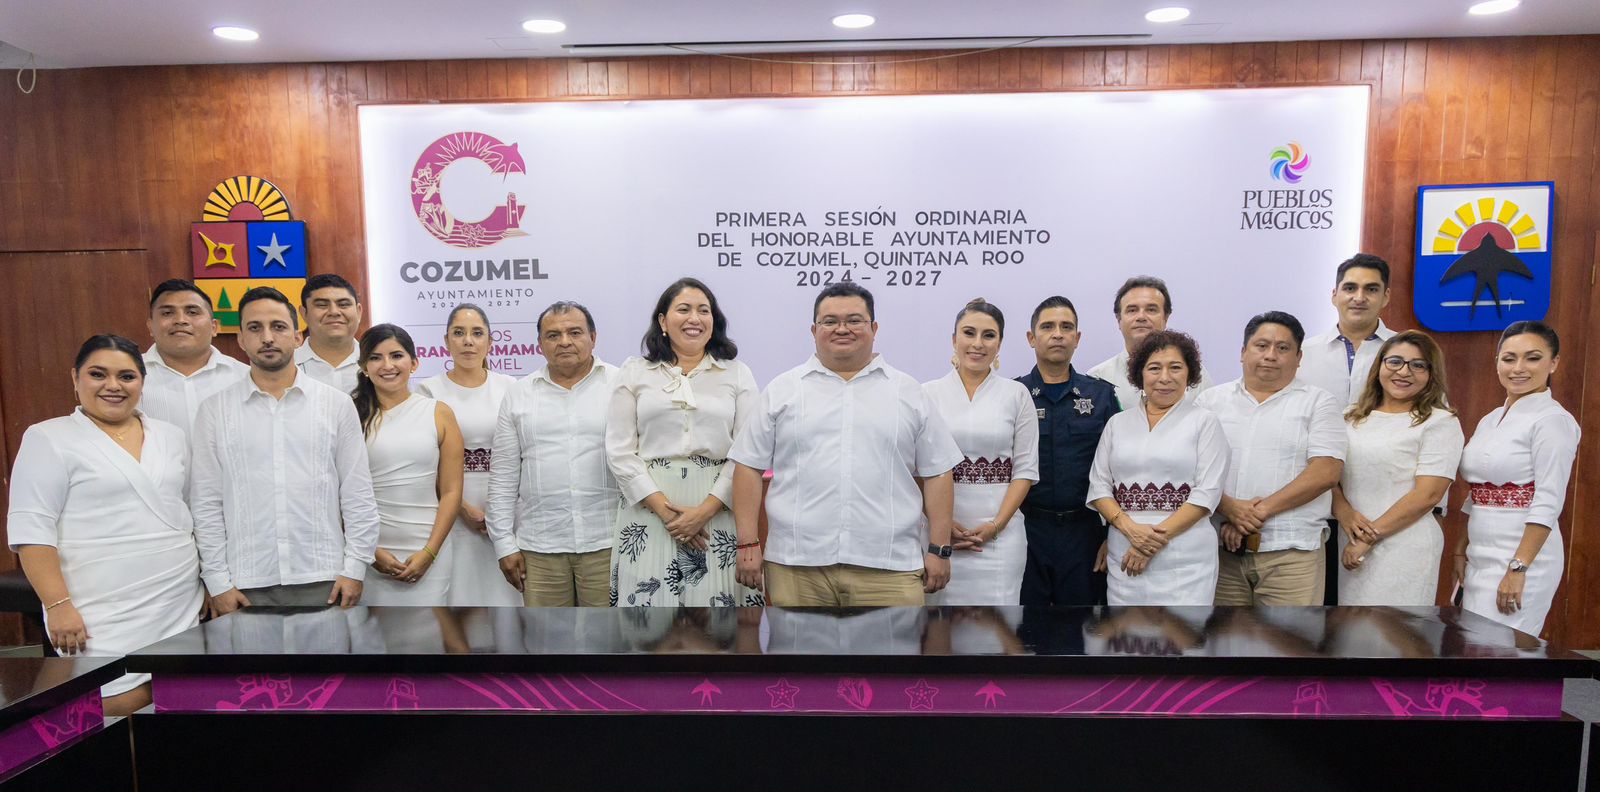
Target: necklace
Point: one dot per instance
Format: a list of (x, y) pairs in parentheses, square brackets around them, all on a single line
[(118, 436)]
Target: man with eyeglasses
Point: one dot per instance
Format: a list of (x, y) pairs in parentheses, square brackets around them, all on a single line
[(1286, 442), (859, 511)]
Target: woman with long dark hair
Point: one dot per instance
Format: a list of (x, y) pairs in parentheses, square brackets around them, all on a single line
[(414, 450), (473, 392), (97, 513), (673, 417), (1518, 463), (1404, 447)]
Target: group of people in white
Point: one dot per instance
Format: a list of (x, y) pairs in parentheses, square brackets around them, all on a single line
[(187, 484)]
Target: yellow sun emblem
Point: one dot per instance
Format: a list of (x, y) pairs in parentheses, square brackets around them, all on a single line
[(1512, 229), (245, 198)]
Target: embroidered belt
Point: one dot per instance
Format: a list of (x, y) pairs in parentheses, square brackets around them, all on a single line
[(1150, 497), (1510, 496), (983, 471), (477, 460)]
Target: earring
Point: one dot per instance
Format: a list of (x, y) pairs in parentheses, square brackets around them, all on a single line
[(663, 334)]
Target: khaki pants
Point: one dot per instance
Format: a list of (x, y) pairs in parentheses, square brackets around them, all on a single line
[(841, 585), (562, 580), (297, 595), (1279, 577)]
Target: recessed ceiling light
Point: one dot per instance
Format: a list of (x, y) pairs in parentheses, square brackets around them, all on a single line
[(544, 26), (1172, 14), (1493, 7), (234, 33), (853, 21)]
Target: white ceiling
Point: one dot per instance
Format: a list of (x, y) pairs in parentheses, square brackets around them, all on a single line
[(81, 33)]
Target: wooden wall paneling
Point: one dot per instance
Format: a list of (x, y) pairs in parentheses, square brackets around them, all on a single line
[(1463, 109)]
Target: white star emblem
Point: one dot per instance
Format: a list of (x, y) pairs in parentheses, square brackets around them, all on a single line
[(1083, 406), (274, 252)]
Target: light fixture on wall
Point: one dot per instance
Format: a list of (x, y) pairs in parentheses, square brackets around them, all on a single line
[(1170, 14), (234, 33), (544, 26), (854, 21), (1489, 7)]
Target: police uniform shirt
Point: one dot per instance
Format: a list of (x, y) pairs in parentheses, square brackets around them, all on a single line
[(1072, 415)]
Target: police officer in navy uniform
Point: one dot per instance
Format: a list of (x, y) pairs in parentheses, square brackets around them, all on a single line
[(1064, 534)]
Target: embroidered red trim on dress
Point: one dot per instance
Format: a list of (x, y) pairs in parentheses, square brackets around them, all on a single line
[(1510, 496), (983, 471), (477, 460), (1150, 497)]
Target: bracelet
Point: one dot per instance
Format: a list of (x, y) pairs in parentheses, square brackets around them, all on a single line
[(430, 552), (57, 602), (1112, 520), (747, 545)]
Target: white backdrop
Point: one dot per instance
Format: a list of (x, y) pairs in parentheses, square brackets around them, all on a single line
[(619, 198)]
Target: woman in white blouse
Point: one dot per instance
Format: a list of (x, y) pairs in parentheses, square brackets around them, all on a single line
[(995, 423), (414, 451), (1518, 463), (473, 393), (97, 514), (673, 417), (1157, 473), (1404, 446)]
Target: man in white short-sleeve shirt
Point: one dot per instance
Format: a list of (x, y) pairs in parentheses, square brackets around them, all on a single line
[(552, 498), (1286, 444), (1339, 360), (859, 458), (183, 369), (1143, 305)]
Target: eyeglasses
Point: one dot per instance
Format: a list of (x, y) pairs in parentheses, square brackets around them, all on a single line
[(852, 324), (1395, 363)]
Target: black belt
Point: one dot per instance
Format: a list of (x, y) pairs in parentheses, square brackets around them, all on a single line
[(1070, 515)]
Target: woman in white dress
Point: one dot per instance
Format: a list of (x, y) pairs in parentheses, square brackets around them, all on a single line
[(414, 450), (1518, 463), (1157, 473), (1404, 447), (673, 417), (995, 424), (473, 393), (97, 514)]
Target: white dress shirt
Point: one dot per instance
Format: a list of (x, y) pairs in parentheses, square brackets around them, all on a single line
[(1272, 442), (341, 376), (844, 456), (658, 412), (1115, 371), (1326, 363), (273, 480), (175, 398), (550, 489)]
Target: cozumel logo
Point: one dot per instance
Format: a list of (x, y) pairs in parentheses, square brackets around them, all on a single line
[(1289, 163), (428, 202), (1483, 255)]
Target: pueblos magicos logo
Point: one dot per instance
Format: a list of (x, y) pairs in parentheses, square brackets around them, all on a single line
[(1289, 163), (428, 201)]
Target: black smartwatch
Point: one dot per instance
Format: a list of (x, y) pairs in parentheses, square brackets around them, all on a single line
[(942, 551)]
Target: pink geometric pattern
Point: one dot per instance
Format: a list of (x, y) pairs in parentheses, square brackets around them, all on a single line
[(1162, 696), (1150, 497), (23, 744), (477, 460)]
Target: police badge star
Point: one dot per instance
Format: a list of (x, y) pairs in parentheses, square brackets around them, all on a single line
[(1084, 406)]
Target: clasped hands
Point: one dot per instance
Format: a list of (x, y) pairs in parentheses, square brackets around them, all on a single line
[(1360, 534), (1145, 541), (687, 524), (974, 539)]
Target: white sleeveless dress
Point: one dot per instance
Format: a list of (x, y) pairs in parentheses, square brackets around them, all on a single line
[(475, 579), (404, 456)]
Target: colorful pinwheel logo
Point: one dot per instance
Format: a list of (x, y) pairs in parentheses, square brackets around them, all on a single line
[(1289, 163)]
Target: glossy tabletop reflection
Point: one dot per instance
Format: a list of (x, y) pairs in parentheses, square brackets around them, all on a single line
[(1013, 640), (30, 686)]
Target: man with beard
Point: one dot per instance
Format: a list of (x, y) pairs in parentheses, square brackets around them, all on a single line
[(281, 492)]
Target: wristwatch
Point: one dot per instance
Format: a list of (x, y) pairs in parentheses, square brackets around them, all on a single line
[(1516, 565), (942, 551)]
